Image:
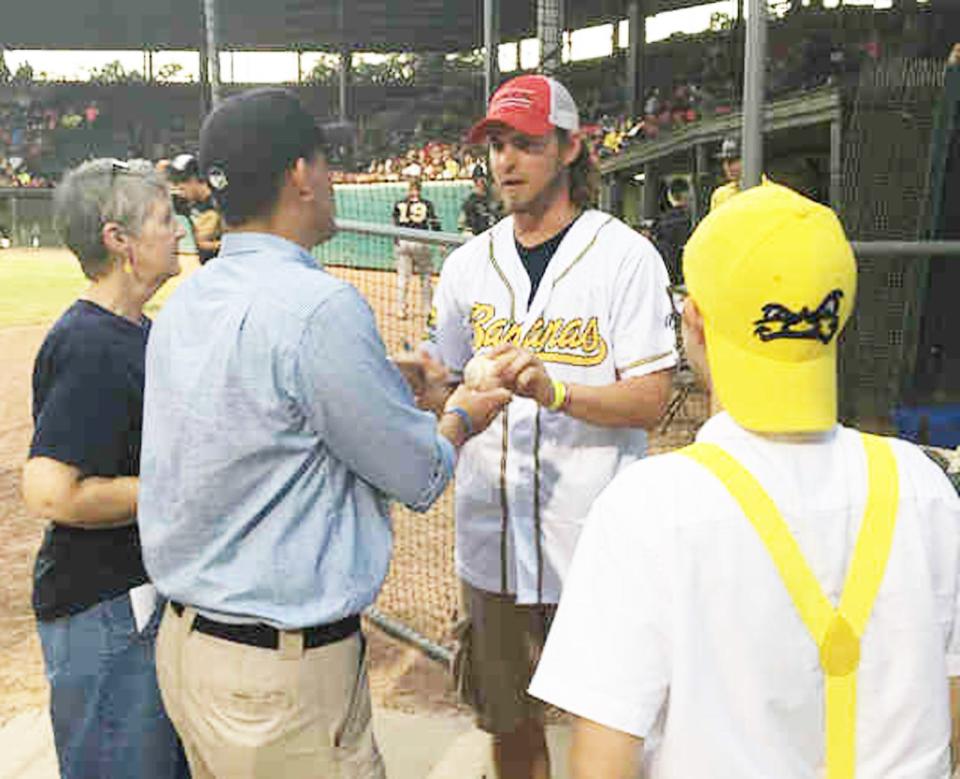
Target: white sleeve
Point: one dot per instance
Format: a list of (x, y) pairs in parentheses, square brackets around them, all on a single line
[(448, 337), (644, 340), (938, 504), (607, 657)]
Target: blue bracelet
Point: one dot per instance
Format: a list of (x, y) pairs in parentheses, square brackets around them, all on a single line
[(464, 418)]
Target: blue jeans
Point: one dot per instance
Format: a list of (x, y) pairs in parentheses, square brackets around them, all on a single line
[(108, 719)]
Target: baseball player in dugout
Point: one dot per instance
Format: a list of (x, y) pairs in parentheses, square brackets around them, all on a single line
[(566, 307), (276, 431), (779, 599), (413, 256), (732, 171)]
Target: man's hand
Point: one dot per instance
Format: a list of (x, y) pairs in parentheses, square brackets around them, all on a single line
[(411, 367), (521, 371), (481, 407), (428, 379)]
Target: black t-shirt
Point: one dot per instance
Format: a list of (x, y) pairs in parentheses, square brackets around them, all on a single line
[(479, 213), (672, 233), (416, 214), (537, 258), (88, 413)]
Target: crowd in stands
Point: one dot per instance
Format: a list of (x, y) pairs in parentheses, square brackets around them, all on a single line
[(709, 89), (431, 161), (712, 92), (25, 136)]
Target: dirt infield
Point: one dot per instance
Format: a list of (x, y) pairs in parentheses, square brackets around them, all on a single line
[(21, 673)]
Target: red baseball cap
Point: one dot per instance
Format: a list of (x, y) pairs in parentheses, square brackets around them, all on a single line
[(532, 105)]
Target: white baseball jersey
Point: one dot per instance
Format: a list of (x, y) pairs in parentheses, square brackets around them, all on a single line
[(675, 626), (600, 313)]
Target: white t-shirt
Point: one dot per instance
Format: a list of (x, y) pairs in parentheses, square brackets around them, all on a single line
[(600, 313), (675, 626)]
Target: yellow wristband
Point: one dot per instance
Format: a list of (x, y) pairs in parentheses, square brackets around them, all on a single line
[(559, 395)]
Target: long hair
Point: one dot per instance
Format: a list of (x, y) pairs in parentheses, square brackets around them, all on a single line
[(584, 175)]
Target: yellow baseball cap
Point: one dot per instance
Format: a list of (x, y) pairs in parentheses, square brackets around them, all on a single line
[(775, 280)]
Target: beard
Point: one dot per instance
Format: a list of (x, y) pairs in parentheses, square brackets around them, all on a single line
[(539, 201)]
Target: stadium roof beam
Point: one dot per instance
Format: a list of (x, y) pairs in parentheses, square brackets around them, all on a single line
[(289, 25)]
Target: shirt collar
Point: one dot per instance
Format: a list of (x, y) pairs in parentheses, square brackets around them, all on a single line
[(235, 244), (722, 427)]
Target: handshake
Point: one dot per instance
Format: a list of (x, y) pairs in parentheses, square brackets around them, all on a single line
[(490, 381)]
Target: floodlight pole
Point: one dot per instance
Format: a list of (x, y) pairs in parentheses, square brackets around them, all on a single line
[(491, 48), (753, 91), (213, 50)]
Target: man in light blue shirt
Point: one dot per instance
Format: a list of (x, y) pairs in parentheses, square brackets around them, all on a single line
[(276, 431)]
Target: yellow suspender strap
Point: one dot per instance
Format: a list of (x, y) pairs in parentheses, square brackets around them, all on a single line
[(836, 632)]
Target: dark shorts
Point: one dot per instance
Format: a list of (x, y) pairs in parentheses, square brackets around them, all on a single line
[(499, 646)]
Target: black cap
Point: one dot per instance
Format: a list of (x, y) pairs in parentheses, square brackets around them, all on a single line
[(183, 167), (250, 139), (730, 148)]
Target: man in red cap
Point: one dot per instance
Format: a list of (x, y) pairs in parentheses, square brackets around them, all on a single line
[(572, 306)]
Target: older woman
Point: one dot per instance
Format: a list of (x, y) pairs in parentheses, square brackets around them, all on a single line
[(89, 580)]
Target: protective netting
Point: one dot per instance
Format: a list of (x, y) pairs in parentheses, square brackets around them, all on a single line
[(374, 203), (421, 591), (886, 176)]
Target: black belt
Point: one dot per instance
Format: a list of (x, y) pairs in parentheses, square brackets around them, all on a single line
[(268, 637)]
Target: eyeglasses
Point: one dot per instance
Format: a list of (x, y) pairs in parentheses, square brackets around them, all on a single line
[(117, 168)]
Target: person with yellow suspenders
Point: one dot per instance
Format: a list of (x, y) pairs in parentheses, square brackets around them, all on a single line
[(780, 600)]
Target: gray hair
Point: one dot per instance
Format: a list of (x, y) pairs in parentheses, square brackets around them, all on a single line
[(101, 191)]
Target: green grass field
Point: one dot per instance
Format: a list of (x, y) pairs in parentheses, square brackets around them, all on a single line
[(36, 285)]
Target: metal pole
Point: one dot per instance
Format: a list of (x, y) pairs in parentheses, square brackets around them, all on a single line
[(398, 630), (346, 64), (204, 63), (651, 190), (836, 163), (753, 78), (491, 47), (550, 33), (636, 54), (213, 50), (905, 249), (700, 171), (432, 237)]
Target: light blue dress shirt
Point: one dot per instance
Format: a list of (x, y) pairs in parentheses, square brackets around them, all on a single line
[(276, 430)]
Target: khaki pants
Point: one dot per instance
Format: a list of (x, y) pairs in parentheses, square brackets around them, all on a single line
[(244, 712)]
